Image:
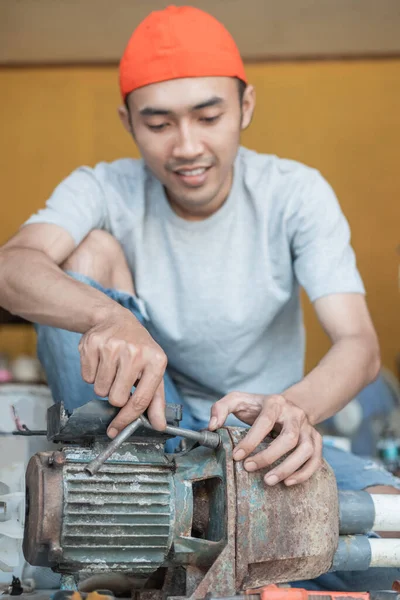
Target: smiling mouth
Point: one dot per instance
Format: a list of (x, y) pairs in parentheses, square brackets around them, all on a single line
[(191, 172), (192, 177)]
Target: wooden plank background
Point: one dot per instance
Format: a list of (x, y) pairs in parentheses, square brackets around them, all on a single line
[(96, 31), (341, 117)]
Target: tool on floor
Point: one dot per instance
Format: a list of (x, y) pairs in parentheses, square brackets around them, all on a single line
[(190, 524), (273, 592), (75, 595)]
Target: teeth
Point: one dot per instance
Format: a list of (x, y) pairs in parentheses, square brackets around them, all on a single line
[(192, 172)]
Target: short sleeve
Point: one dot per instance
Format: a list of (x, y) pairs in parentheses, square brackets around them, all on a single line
[(77, 204), (324, 261)]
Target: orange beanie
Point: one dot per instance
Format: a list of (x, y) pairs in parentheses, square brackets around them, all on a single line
[(178, 42)]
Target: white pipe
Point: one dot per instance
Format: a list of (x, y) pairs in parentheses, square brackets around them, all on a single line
[(387, 512), (385, 552)]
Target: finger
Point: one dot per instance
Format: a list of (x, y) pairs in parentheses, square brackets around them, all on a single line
[(234, 403), (106, 373), (287, 440), (307, 471), (258, 431), (121, 389), (137, 403), (156, 410), (126, 415), (126, 377), (291, 464), (219, 413), (147, 387), (89, 362), (309, 468)]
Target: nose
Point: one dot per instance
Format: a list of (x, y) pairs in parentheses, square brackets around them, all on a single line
[(188, 145)]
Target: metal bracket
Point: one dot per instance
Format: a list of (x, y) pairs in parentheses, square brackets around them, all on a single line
[(91, 420)]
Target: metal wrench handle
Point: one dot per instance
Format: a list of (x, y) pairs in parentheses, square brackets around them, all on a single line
[(210, 439), (123, 435)]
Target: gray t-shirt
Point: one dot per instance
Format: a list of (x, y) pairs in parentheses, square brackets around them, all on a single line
[(222, 294)]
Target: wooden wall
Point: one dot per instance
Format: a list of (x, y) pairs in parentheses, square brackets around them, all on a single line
[(341, 117), (96, 31)]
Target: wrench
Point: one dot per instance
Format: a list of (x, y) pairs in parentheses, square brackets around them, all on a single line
[(210, 439)]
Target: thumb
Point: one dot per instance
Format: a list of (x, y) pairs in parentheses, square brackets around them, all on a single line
[(219, 413)]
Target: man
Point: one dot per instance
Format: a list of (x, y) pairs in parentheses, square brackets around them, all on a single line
[(195, 256)]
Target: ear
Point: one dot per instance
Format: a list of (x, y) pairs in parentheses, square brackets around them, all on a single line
[(248, 105), (125, 119)]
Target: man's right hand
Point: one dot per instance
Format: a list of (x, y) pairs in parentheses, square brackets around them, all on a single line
[(117, 353)]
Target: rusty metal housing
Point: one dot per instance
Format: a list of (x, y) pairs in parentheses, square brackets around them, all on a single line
[(180, 524)]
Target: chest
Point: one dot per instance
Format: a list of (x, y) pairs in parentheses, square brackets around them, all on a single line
[(202, 285)]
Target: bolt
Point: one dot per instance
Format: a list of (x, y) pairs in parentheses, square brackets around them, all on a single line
[(59, 459), (56, 459)]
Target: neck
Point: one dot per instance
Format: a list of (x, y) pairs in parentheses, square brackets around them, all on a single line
[(199, 213)]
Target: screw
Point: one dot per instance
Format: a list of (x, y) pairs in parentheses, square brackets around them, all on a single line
[(56, 459)]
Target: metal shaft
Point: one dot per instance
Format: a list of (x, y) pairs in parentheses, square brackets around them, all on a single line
[(210, 439), (96, 463)]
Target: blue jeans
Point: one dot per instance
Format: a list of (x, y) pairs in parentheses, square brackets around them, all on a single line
[(59, 355)]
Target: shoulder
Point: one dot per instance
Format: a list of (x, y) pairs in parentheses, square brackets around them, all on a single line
[(121, 179), (279, 184), (122, 172), (117, 174), (278, 171)]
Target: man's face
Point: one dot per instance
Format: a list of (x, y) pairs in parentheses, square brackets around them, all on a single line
[(188, 132)]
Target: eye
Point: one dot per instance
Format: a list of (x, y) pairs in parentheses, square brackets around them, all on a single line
[(158, 127), (210, 120)]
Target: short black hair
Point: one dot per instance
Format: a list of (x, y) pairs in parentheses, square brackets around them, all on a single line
[(242, 85)]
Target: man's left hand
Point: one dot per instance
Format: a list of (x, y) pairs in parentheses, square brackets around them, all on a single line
[(266, 414)]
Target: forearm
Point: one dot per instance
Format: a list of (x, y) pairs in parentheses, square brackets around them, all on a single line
[(350, 365), (34, 287)]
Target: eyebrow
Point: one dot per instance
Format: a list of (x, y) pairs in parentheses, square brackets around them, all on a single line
[(150, 111)]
